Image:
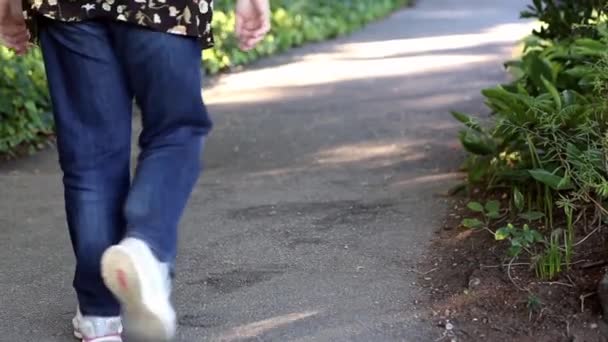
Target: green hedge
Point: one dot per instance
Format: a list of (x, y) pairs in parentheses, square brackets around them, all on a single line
[(294, 23), (25, 119)]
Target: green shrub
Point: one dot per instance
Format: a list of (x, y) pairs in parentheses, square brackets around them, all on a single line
[(294, 23), (547, 142), (565, 18), (25, 119)]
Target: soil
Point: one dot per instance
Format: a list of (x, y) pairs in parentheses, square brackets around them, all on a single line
[(473, 298)]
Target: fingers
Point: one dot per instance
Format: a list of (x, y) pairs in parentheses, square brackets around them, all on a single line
[(251, 32), (246, 46), (263, 8), (22, 49), (18, 41), (261, 30), (238, 28), (249, 44), (15, 36)]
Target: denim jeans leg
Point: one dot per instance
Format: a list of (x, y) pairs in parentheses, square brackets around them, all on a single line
[(164, 72), (92, 107)]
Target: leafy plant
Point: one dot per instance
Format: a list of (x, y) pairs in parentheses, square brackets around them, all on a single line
[(489, 211), (25, 119), (547, 140), (565, 18), (549, 264), (534, 304), (521, 239)]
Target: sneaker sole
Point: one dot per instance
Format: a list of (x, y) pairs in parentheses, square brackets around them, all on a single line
[(120, 275), (79, 337)]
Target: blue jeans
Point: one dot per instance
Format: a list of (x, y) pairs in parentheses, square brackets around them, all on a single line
[(95, 69)]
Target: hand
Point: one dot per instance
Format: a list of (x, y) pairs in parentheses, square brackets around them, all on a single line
[(13, 30), (252, 22)]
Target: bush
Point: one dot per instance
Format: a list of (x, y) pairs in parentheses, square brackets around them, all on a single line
[(25, 119), (294, 23), (548, 139), (565, 18)]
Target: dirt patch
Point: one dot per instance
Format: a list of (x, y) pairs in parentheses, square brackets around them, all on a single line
[(474, 296)]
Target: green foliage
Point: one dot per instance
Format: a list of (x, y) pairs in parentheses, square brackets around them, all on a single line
[(294, 22), (25, 118), (565, 18), (532, 215), (521, 239), (551, 133), (547, 141), (549, 264), (490, 211), (534, 304)]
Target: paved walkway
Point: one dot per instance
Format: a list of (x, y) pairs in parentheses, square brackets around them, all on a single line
[(321, 189)]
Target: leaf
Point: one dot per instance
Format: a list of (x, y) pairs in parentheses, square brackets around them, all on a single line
[(474, 143), (579, 71), (472, 223), (502, 233), (564, 183), (538, 67), (532, 215), (492, 206), (504, 101), (554, 93), (518, 199), (553, 181), (493, 215), (475, 206), (469, 121), (528, 237), (538, 237), (514, 250), (592, 44), (478, 168), (514, 64)]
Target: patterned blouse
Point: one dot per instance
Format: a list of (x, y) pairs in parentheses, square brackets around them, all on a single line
[(182, 17)]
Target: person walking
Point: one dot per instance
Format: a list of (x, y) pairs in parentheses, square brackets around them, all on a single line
[(100, 55)]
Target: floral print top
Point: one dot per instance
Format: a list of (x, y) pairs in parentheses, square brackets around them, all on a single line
[(182, 17)]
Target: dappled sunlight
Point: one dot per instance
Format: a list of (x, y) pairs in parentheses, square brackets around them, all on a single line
[(260, 95), (384, 49), (505, 34), (365, 152), (319, 71), (257, 328), (280, 172), (453, 14), (366, 61)]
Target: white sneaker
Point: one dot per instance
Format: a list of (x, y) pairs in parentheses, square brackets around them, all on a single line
[(97, 329), (142, 285)]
